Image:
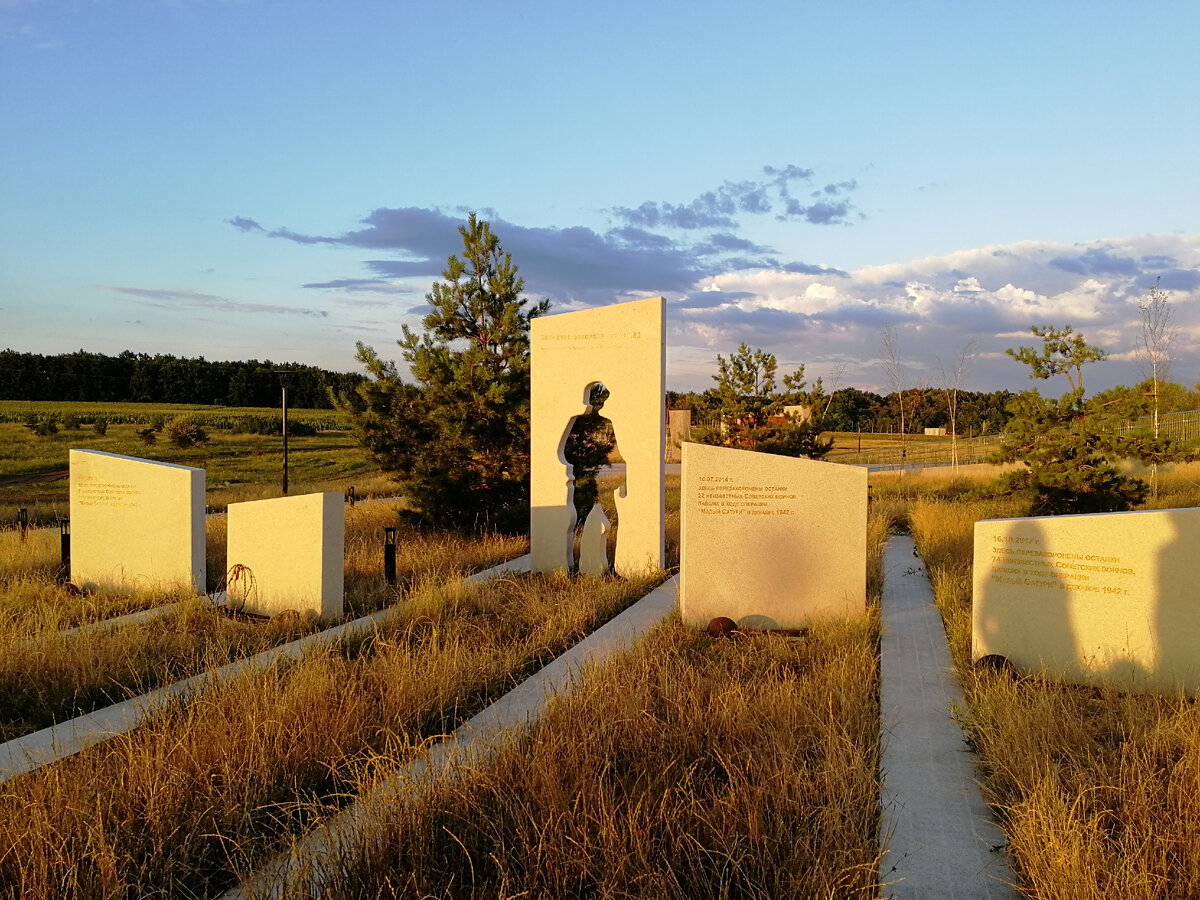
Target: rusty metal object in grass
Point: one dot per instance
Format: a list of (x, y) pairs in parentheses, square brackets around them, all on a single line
[(240, 586), (722, 626)]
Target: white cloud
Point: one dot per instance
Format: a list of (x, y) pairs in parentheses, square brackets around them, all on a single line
[(938, 302)]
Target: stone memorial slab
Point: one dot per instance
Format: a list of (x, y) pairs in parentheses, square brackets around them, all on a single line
[(136, 523), (1102, 599), (294, 551), (621, 347), (770, 541)]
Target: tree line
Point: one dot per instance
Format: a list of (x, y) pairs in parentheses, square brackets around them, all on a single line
[(851, 409), (140, 378)]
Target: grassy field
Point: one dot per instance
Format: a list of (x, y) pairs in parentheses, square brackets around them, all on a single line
[(688, 767), (1098, 790), (239, 466), (183, 806)]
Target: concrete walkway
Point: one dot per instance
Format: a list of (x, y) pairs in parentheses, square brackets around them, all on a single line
[(941, 840)]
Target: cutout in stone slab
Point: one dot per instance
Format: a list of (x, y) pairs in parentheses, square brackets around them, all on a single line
[(136, 523), (593, 546), (622, 347)]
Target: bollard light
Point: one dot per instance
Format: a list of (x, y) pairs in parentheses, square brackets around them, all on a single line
[(389, 555), (350, 496), (64, 536), (23, 521)]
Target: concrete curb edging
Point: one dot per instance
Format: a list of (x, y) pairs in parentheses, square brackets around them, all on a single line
[(32, 751), (306, 862)]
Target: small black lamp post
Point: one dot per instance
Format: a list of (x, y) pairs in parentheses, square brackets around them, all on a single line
[(389, 555), (64, 536), (23, 521)]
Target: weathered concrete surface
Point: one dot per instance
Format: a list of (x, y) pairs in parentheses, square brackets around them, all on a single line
[(941, 840)]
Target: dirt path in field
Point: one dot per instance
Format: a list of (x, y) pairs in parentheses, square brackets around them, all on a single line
[(35, 478)]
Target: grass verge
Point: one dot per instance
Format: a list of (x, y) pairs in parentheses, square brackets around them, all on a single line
[(1098, 790), (46, 676), (187, 804)]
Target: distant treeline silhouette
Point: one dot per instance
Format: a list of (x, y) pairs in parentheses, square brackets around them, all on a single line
[(140, 378)]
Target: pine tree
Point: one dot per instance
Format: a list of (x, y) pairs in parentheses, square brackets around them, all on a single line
[(1070, 446), (752, 408), (456, 439)]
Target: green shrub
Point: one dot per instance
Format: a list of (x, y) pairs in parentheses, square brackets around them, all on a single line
[(186, 432)]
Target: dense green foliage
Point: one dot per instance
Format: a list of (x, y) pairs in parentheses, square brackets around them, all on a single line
[(754, 413), (140, 378), (456, 438)]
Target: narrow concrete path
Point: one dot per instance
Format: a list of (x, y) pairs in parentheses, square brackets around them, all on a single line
[(942, 842)]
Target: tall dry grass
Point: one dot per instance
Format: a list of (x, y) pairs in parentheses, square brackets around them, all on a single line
[(690, 767), (184, 806), (47, 676), (1098, 790)]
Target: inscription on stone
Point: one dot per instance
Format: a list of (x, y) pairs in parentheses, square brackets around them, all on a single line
[(725, 495), (1092, 599), (1022, 561), (770, 541), (115, 494)]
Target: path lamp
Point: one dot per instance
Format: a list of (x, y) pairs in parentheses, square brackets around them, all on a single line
[(389, 555), (23, 521), (283, 373), (64, 539)]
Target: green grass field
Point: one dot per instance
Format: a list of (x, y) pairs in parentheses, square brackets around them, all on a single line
[(238, 466)]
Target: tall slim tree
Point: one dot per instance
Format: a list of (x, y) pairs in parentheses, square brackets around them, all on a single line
[(456, 439), (1158, 332), (952, 382), (894, 366)]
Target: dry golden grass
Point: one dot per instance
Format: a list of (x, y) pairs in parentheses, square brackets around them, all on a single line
[(183, 806), (691, 767), (46, 676), (688, 767), (1098, 790)]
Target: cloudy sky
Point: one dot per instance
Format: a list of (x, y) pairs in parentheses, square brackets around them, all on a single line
[(282, 179)]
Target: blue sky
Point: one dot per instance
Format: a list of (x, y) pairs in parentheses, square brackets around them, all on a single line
[(269, 179)]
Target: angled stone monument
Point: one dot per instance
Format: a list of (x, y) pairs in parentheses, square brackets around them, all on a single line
[(770, 541), (621, 347), (287, 554), (136, 523), (1102, 599)]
